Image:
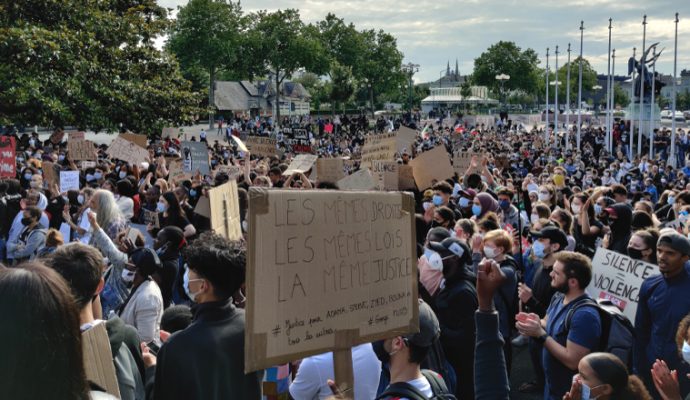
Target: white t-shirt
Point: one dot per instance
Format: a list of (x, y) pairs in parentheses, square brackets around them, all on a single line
[(314, 372), (422, 384)]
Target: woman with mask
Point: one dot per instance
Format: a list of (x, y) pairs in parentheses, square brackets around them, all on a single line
[(170, 214), (603, 376), (619, 222), (430, 264), (123, 192), (547, 195), (465, 230), (665, 380), (564, 220), (143, 308), (539, 211), (587, 229), (443, 217), (482, 204), (642, 245), (168, 244)]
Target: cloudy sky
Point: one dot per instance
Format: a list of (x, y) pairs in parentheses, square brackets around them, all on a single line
[(430, 33)]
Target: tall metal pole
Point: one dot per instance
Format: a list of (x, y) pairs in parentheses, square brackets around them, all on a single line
[(631, 134), (546, 131), (652, 116), (641, 111), (672, 157), (579, 89), (612, 97), (608, 92), (567, 107), (557, 120)]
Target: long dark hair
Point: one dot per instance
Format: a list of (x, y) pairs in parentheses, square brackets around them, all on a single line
[(174, 209), (42, 353), (610, 370)]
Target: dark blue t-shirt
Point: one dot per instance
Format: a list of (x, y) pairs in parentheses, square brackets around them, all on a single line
[(585, 330)]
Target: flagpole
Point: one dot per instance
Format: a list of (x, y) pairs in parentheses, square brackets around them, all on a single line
[(557, 120), (546, 132), (608, 93), (567, 115), (652, 117), (673, 158), (612, 96), (579, 89), (642, 77), (631, 134)]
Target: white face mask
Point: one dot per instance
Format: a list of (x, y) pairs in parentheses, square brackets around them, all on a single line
[(435, 262), (544, 197), (534, 218), (576, 208), (490, 252), (127, 276), (686, 352)]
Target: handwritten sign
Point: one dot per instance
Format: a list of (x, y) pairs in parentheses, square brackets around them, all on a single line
[(327, 271), (386, 174), (232, 171), (195, 157), (462, 161), (360, 180), (618, 278), (81, 149), (139, 140), (301, 163), (406, 138), (76, 135), (125, 150), (151, 218), (329, 169), (8, 157), (261, 146), (430, 166), (69, 180), (378, 148), (225, 211)]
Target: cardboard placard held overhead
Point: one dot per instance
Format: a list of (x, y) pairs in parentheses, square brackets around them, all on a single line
[(98, 358), (406, 138), (360, 180), (8, 157), (195, 157), (232, 171), (80, 149), (329, 169), (431, 166), (379, 148), (327, 270), (225, 211), (618, 278), (139, 140), (69, 180), (57, 136), (76, 135), (462, 161), (386, 174), (261, 146), (125, 150), (406, 178), (301, 163)]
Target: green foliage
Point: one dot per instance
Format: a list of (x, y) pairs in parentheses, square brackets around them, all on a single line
[(620, 96), (507, 58), (342, 84), (589, 79), (91, 64)]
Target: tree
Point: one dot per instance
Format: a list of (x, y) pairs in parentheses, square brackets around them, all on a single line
[(620, 96), (589, 79), (206, 37), (465, 92), (381, 65), (506, 58), (342, 85), (342, 42), (91, 64), (286, 45)]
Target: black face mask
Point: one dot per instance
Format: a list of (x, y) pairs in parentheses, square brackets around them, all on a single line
[(27, 221), (381, 352), (635, 254)]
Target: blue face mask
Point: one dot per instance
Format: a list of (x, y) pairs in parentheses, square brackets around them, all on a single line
[(538, 249), (61, 158), (98, 175), (670, 200), (476, 210), (464, 202), (27, 177), (504, 204), (161, 207), (597, 209), (192, 193), (437, 200)]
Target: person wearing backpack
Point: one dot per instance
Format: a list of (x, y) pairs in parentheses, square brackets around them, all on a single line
[(31, 239), (663, 303), (404, 354), (565, 347)]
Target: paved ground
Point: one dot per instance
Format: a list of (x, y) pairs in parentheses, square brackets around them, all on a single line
[(521, 372)]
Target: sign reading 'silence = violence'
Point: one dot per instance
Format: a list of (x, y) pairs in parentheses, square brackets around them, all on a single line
[(327, 270), (618, 278)]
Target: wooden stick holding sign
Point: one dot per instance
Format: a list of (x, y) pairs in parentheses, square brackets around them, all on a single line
[(344, 373)]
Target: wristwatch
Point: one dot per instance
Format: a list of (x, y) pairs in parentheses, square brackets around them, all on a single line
[(541, 339)]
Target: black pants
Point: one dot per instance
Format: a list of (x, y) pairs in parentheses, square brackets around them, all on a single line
[(535, 352), (462, 360)]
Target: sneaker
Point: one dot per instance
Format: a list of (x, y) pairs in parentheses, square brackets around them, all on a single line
[(520, 341)]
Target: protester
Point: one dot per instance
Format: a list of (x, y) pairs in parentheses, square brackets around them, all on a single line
[(666, 380), (604, 376), (31, 239)]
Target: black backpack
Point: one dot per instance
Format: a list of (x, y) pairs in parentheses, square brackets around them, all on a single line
[(617, 332), (405, 390)]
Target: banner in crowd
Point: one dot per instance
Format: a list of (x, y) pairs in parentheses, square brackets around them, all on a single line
[(330, 169), (618, 278), (122, 149), (80, 150), (261, 146), (8, 157), (225, 210), (195, 157), (327, 270), (431, 166)]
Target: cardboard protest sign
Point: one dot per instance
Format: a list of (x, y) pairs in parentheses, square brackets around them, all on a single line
[(378, 148), (195, 157), (151, 218), (81, 150), (232, 171), (386, 174), (203, 207), (50, 173), (301, 163), (98, 358), (125, 150), (329, 169), (327, 270), (239, 143), (225, 211), (76, 136), (172, 133), (618, 278), (69, 180), (261, 146), (406, 178), (8, 157), (148, 239), (57, 136), (139, 140), (433, 165), (406, 138), (360, 180)]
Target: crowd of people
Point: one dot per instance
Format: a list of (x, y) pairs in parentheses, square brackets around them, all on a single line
[(505, 256)]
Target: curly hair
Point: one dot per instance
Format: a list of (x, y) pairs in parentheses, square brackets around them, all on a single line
[(682, 333)]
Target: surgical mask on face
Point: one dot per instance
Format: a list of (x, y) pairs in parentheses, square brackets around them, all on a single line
[(490, 252), (161, 207), (61, 158), (80, 199), (534, 218), (476, 210), (598, 209), (89, 177), (538, 249), (185, 285), (437, 200), (464, 202), (435, 261), (192, 193), (670, 200), (98, 175), (28, 176), (32, 142), (544, 197), (576, 208), (686, 352), (504, 204), (127, 276), (122, 174)]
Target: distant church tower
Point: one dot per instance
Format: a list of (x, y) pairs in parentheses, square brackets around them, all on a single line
[(457, 71), (448, 68)]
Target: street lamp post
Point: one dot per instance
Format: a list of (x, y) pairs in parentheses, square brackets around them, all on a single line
[(410, 69), (546, 130), (555, 115), (579, 88)]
